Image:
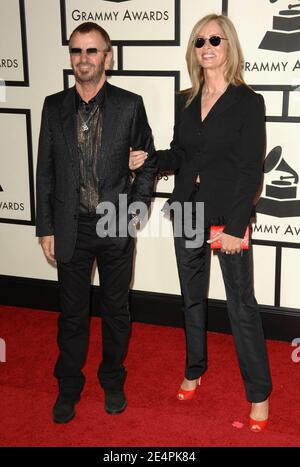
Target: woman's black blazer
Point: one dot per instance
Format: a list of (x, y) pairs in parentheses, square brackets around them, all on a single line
[(226, 150)]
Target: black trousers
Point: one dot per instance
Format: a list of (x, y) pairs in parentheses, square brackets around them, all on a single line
[(237, 270), (114, 259)]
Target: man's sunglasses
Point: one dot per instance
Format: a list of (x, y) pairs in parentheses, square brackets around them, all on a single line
[(91, 51), (213, 40)]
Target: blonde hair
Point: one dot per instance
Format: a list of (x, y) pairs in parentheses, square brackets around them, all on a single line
[(234, 63)]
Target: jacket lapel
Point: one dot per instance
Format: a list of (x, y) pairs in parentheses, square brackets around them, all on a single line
[(68, 115), (111, 116), (195, 109), (229, 98)]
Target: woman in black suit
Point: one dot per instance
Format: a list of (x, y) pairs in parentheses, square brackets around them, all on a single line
[(217, 151)]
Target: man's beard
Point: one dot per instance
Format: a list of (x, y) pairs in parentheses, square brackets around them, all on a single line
[(91, 75)]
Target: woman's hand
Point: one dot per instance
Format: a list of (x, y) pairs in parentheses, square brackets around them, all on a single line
[(137, 159), (230, 244)]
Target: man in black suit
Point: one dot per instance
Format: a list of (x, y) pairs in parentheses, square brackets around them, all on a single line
[(85, 137)]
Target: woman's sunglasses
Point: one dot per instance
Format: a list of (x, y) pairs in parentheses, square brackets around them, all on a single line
[(213, 40)]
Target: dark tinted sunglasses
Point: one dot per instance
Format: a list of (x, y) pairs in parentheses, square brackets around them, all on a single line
[(91, 51), (213, 40)]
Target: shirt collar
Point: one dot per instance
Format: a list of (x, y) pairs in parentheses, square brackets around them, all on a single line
[(98, 98)]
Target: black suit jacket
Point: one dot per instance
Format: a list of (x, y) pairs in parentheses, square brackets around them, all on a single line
[(125, 125), (226, 150)]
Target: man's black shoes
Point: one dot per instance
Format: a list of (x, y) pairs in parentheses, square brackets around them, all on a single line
[(115, 401), (64, 409)]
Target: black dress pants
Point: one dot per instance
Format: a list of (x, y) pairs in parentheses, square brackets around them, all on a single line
[(237, 270), (114, 259)]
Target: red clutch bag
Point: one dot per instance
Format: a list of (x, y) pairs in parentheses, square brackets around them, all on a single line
[(216, 229)]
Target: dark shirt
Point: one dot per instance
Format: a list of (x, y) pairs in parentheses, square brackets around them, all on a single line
[(89, 136)]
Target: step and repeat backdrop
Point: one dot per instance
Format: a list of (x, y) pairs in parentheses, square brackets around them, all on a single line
[(149, 40)]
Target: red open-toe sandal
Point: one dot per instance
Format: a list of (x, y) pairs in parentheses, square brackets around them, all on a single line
[(258, 425), (184, 395)]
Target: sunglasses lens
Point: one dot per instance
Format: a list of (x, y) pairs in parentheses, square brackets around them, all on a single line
[(75, 51), (215, 41), (199, 42), (92, 51)]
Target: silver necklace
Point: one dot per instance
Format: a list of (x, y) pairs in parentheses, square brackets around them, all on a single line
[(84, 125), (212, 94)]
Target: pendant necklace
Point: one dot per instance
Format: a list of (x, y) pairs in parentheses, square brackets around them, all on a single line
[(84, 125)]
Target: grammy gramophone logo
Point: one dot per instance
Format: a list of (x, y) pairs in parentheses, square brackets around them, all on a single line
[(280, 199), (285, 36)]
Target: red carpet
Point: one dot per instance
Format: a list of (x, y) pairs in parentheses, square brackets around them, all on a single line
[(155, 367)]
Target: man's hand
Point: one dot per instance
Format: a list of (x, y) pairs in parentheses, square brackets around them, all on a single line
[(47, 244)]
